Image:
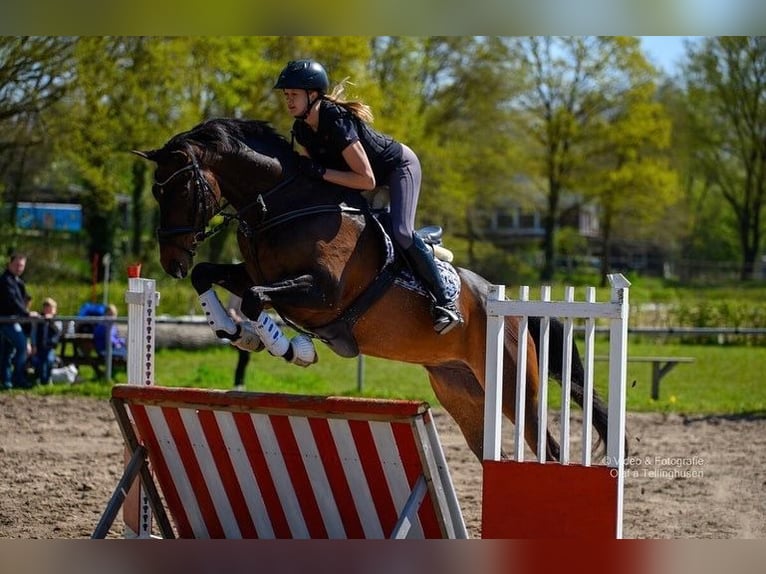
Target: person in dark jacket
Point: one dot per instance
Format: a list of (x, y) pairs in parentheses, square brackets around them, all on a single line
[(13, 303), (45, 338), (339, 145)]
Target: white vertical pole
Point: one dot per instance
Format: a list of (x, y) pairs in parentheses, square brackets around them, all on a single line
[(542, 405), (106, 261), (493, 377), (142, 299), (587, 401), (521, 379), (566, 378), (618, 357)]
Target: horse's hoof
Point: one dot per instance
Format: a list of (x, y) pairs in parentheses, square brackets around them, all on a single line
[(304, 353), (248, 339)]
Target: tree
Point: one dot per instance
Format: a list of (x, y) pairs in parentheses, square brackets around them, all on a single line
[(35, 73), (123, 89), (726, 90), (701, 220), (628, 172), (445, 96), (574, 85)]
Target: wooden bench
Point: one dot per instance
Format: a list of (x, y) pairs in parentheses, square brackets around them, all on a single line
[(661, 366), (79, 349)]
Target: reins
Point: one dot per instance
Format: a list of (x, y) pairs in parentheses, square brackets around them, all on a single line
[(202, 188)]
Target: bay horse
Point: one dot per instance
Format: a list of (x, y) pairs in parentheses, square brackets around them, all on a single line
[(314, 254)]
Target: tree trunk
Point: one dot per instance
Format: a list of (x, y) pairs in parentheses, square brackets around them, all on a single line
[(137, 213), (549, 238)]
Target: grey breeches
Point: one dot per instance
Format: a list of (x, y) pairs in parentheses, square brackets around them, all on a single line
[(404, 186)]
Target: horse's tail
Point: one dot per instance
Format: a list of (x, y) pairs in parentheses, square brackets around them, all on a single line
[(555, 368)]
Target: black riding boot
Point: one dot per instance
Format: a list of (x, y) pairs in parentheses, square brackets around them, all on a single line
[(445, 313)]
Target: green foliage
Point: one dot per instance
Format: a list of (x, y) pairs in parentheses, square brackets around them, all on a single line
[(494, 264), (714, 313), (727, 119)]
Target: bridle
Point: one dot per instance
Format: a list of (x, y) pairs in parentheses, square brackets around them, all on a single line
[(202, 190)]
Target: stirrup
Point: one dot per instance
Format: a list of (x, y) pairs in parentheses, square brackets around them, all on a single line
[(446, 318)]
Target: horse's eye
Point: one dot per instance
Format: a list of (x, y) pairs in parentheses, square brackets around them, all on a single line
[(157, 191)]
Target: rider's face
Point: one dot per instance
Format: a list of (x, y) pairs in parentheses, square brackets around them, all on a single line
[(296, 101)]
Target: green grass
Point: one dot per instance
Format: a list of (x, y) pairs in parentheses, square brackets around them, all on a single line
[(722, 380), (331, 375), (214, 368)]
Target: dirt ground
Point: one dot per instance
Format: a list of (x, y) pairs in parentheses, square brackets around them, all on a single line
[(699, 477)]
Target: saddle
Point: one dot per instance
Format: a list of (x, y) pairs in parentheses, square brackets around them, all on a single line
[(338, 335)]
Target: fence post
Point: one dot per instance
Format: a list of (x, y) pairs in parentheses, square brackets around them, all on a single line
[(618, 355), (493, 390), (142, 299)]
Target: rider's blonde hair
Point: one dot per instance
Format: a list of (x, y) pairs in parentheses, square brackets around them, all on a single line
[(356, 107)]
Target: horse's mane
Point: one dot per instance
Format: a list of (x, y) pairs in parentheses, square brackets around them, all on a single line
[(232, 136)]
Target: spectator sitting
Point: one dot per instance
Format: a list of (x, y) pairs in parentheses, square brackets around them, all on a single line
[(45, 338), (108, 331)]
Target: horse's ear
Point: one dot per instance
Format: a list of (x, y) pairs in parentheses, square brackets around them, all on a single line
[(151, 155)]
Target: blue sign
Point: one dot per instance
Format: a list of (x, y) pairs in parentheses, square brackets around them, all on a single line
[(49, 216)]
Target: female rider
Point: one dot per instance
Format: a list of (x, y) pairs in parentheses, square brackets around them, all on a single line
[(338, 145)]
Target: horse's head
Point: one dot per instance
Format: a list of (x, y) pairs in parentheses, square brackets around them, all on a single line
[(188, 196), (239, 161)]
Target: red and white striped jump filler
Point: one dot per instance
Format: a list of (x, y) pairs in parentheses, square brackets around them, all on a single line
[(235, 464)]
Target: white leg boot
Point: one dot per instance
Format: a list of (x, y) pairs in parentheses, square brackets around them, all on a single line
[(242, 335), (302, 347), (217, 317)]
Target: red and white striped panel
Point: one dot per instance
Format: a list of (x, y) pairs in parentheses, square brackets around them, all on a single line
[(239, 469)]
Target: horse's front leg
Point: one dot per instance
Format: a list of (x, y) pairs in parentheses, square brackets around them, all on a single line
[(235, 279), (298, 350), (260, 330)]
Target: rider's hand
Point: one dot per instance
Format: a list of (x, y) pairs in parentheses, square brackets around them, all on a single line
[(311, 168)]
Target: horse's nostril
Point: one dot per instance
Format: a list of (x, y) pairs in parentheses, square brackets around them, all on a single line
[(174, 269), (177, 271), (181, 270)]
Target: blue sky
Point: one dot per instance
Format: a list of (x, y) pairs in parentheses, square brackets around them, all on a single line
[(665, 51)]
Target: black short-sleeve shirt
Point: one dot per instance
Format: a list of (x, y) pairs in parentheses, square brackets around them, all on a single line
[(12, 295), (339, 128)]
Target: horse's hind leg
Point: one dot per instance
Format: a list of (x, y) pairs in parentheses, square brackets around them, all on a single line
[(460, 393), (531, 403)]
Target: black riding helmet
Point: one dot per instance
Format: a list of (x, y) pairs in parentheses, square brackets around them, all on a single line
[(303, 75)]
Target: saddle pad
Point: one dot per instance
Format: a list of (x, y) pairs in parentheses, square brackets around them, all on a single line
[(407, 280)]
